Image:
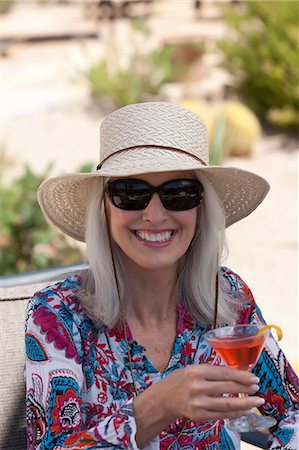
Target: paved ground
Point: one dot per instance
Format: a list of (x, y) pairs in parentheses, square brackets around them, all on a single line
[(48, 117)]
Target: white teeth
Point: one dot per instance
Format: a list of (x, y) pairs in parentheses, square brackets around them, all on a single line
[(154, 237)]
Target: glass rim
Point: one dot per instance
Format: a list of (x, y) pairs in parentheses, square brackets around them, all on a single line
[(209, 334)]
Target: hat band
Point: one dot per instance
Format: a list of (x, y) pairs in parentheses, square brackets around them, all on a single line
[(99, 166)]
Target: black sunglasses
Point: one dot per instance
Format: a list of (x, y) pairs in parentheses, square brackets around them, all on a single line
[(176, 195)]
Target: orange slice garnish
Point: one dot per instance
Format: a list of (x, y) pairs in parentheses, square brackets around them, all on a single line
[(276, 328)]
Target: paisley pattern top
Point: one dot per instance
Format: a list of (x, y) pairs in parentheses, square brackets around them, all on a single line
[(79, 384)]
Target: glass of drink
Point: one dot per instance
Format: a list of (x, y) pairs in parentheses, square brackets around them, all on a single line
[(240, 346)]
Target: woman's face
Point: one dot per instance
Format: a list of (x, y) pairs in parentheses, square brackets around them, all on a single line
[(153, 238)]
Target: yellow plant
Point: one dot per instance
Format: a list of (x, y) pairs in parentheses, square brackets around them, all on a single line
[(242, 128), (233, 128), (205, 112)]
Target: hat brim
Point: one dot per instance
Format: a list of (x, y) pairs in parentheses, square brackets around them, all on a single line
[(64, 199)]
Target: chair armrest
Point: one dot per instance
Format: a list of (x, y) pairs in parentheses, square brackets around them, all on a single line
[(257, 438)]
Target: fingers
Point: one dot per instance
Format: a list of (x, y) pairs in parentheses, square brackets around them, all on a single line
[(228, 405), (205, 386), (212, 408), (225, 387), (214, 380), (197, 392), (224, 408), (222, 373)]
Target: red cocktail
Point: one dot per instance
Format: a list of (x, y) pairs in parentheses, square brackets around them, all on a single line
[(239, 353), (239, 347)]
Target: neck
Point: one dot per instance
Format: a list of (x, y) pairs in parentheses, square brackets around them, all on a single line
[(153, 293)]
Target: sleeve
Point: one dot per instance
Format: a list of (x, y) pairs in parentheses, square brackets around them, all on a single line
[(54, 382), (279, 385)]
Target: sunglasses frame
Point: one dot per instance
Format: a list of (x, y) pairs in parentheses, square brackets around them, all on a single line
[(154, 189)]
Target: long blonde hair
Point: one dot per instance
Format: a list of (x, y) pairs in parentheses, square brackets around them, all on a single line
[(197, 269)]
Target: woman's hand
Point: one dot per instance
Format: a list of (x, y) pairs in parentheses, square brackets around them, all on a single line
[(195, 392)]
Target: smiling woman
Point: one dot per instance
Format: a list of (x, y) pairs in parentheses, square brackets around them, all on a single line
[(127, 365), (140, 233)]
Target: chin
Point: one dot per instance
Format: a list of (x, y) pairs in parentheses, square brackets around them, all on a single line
[(157, 265)]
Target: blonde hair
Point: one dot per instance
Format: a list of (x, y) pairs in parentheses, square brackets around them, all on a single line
[(197, 269)]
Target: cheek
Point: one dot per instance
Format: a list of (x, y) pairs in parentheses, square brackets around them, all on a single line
[(120, 221), (193, 218), (189, 220), (193, 224)]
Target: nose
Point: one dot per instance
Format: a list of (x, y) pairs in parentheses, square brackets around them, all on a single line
[(155, 211)]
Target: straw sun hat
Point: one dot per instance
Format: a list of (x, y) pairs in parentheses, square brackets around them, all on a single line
[(145, 138)]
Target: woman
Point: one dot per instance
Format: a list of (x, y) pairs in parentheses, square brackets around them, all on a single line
[(116, 356)]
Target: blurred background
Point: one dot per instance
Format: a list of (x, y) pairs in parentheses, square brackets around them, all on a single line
[(66, 64)]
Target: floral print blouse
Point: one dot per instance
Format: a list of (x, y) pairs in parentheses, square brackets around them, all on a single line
[(79, 384)]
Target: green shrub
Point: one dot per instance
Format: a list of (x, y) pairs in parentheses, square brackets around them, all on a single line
[(141, 78), (6, 5), (27, 241), (263, 55), (174, 60), (121, 87)]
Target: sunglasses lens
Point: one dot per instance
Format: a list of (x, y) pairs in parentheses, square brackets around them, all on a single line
[(181, 195), (134, 195), (131, 195)]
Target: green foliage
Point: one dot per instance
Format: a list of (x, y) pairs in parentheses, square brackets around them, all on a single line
[(124, 86), (263, 55), (6, 5), (145, 71), (174, 61), (27, 241), (88, 167), (217, 138)]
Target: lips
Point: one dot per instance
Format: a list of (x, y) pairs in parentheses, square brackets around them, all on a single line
[(154, 237)]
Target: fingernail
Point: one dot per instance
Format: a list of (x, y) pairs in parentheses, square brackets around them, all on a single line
[(254, 380), (259, 402), (255, 387)]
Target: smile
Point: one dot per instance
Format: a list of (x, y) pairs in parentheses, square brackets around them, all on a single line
[(154, 237)]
